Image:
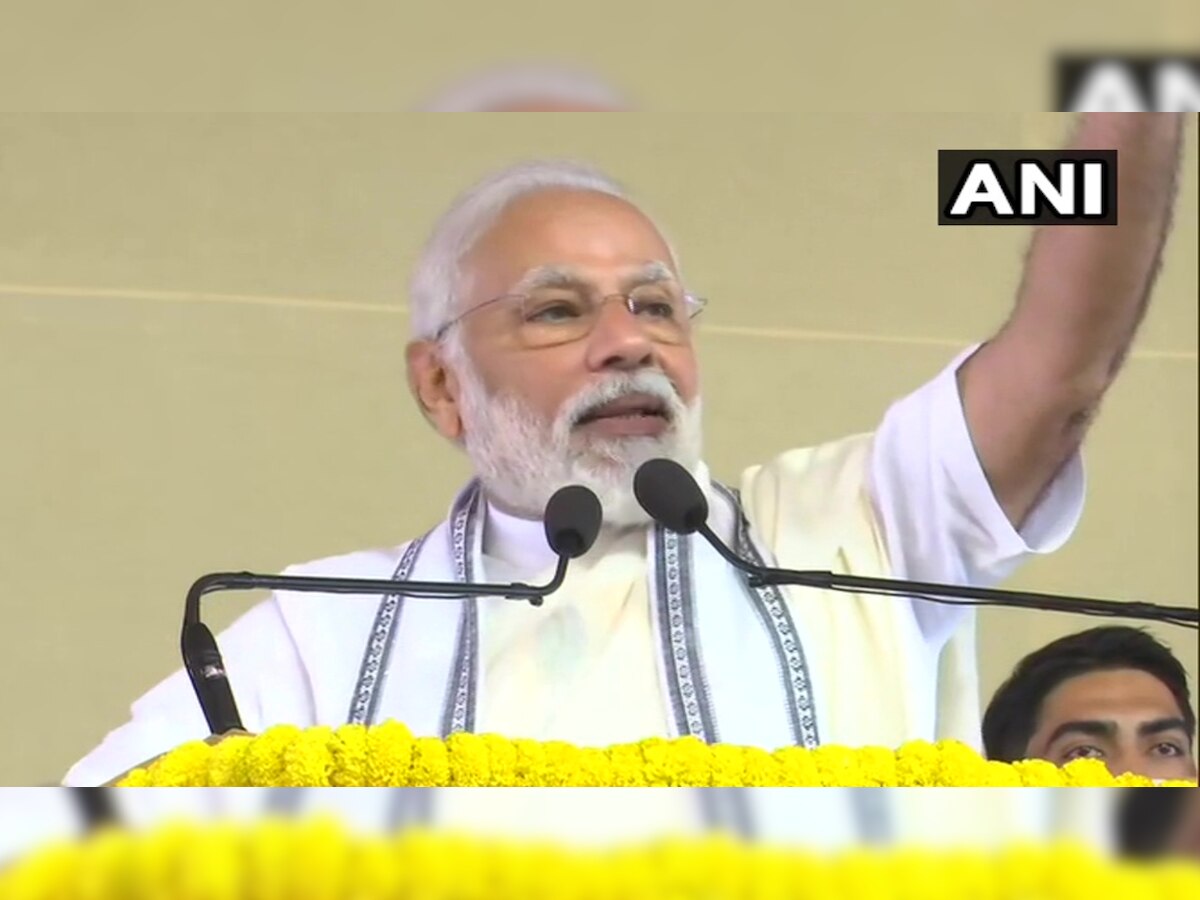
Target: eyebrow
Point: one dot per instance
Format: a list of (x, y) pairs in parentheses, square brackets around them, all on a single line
[(1099, 728), (565, 276), (650, 273), (1158, 726), (1090, 727)]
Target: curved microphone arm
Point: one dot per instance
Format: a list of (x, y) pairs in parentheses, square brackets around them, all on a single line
[(953, 594), (202, 658)]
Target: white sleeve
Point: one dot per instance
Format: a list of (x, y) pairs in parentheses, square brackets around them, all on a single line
[(269, 685), (940, 519)]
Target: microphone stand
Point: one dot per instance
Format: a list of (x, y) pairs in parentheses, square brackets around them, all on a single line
[(202, 658), (955, 595)]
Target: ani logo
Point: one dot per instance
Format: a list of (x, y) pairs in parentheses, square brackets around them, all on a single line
[(1129, 83), (1023, 187)]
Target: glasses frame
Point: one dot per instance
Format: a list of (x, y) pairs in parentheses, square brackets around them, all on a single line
[(695, 305)]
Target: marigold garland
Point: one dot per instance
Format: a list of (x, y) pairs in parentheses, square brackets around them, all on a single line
[(318, 860), (388, 755)]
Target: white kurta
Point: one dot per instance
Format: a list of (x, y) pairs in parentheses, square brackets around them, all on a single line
[(584, 667)]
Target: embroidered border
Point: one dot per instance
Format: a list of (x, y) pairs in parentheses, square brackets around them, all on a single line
[(365, 700), (675, 603), (408, 807), (728, 810), (459, 710), (777, 618), (873, 816)]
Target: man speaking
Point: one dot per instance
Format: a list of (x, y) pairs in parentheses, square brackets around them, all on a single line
[(553, 342)]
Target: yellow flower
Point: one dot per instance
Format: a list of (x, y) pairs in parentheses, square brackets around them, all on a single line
[(387, 755), (227, 761), (918, 764), (320, 860), (529, 769), (877, 768), (728, 765), (759, 768), (263, 762), (469, 760), (678, 763), (959, 764), (560, 764), (502, 756), (186, 766), (348, 749), (1039, 773), (628, 765), (593, 768), (836, 766), (798, 767), (308, 760), (430, 763), (268, 860)]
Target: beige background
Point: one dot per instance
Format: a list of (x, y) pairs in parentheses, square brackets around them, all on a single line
[(678, 55), (201, 331)]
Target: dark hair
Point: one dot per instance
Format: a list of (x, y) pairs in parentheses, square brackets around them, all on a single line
[(1146, 820), (1012, 716)]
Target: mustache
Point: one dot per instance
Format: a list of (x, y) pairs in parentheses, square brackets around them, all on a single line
[(650, 383)]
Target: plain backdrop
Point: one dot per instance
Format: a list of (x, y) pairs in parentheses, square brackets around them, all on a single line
[(671, 55), (202, 322)]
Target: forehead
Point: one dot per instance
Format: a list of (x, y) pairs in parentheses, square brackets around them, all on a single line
[(592, 233), (1119, 693)]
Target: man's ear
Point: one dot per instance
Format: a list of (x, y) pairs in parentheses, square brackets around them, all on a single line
[(435, 388)]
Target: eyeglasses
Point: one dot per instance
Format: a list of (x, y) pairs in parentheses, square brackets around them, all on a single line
[(549, 316)]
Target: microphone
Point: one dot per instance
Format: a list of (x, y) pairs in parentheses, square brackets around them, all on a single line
[(669, 495), (572, 522), (668, 492), (96, 806)]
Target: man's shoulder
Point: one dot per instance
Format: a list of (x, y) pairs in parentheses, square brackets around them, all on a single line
[(828, 466), (376, 563), (322, 625), (809, 502)]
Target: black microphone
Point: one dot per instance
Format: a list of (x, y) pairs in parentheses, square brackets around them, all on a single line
[(96, 806), (572, 522), (670, 495)]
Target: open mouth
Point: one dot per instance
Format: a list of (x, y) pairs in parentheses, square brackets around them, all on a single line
[(631, 408)]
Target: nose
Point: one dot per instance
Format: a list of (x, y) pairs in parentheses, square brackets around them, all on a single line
[(618, 340)]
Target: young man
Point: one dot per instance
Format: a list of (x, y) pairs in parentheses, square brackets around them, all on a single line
[(1153, 823), (1111, 693)]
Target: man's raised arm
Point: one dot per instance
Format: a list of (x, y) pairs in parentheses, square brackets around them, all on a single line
[(1030, 393)]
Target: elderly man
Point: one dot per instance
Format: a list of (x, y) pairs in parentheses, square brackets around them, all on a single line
[(553, 342)]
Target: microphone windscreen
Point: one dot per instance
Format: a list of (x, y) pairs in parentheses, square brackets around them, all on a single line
[(669, 494), (572, 521)]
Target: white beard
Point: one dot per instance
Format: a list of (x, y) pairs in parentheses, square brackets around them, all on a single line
[(522, 460)]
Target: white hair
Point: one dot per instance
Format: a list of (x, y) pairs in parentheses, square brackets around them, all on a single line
[(437, 277), (516, 85), (519, 454)]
